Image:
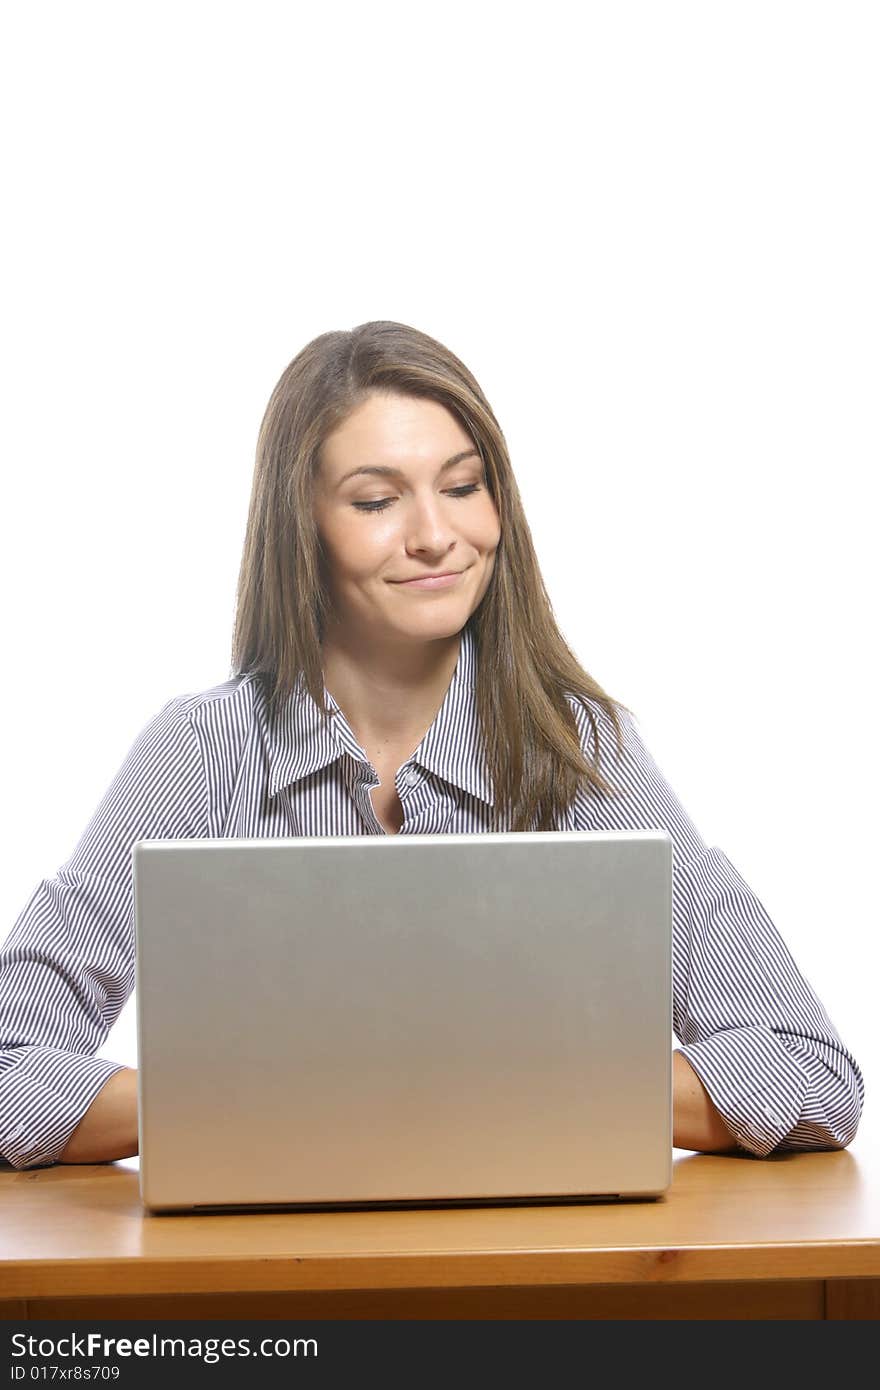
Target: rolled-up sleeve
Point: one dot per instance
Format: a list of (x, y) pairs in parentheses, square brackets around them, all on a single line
[(748, 1022), (67, 966)]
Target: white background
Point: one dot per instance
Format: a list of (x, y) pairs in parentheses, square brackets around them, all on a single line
[(650, 230)]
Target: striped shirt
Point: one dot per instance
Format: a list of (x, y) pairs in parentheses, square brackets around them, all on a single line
[(213, 765)]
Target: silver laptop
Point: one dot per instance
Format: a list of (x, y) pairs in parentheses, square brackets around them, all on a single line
[(404, 1019)]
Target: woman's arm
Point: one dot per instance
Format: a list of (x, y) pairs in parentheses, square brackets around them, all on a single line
[(696, 1123), (109, 1128), (750, 1025), (67, 966), (752, 1030)]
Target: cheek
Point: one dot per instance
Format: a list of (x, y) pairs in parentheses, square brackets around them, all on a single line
[(353, 543), (490, 529)]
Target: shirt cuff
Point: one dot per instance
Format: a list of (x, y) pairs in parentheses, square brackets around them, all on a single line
[(43, 1097), (729, 1064)]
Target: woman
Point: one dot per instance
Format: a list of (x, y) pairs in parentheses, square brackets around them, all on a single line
[(397, 669)]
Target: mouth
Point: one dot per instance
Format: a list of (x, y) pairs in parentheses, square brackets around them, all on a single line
[(442, 580)]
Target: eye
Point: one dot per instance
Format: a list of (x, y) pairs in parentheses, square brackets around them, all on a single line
[(379, 506)]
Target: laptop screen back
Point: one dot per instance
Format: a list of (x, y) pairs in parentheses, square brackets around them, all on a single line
[(404, 1018)]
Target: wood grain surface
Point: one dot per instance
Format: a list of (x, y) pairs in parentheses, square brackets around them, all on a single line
[(80, 1232)]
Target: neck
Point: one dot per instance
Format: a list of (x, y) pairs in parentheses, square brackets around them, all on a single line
[(389, 696)]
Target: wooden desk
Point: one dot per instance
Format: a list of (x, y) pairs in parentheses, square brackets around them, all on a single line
[(793, 1237)]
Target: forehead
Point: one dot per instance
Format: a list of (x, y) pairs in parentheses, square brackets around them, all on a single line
[(396, 431)]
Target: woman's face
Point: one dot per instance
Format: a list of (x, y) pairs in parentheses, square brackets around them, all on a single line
[(400, 494)]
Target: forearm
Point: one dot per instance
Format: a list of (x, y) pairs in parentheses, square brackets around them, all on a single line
[(696, 1123), (109, 1128)]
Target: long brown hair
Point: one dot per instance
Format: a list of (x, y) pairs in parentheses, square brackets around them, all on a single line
[(525, 669)]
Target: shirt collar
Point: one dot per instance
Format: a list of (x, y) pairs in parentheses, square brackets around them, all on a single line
[(301, 744)]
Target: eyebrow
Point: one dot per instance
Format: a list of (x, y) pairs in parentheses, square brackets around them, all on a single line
[(381, 471)]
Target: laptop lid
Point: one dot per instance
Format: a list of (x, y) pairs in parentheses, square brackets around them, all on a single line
[(422, 1018)]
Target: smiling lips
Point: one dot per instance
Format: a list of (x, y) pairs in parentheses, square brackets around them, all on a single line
[(431, 581)]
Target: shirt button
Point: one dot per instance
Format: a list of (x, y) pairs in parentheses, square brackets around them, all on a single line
[(410, 777), (771, 1115)]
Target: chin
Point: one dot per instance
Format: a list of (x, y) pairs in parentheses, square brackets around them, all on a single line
[(435, 627)]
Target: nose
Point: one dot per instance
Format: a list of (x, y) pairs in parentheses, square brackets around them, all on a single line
[(429, 527)]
